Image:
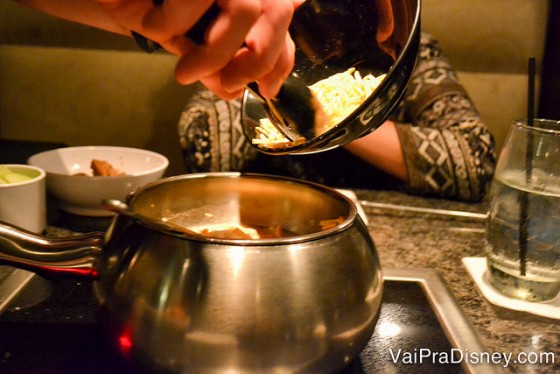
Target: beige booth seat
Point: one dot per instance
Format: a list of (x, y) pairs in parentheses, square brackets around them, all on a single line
[(489, 42), (61, 81)]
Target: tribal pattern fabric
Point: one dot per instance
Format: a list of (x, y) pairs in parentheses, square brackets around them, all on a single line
[(448, 149), (211, 136)]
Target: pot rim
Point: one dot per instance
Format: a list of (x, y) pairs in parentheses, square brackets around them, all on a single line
[(349, 220)]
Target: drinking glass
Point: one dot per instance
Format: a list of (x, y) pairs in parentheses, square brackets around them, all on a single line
[(523, 226)]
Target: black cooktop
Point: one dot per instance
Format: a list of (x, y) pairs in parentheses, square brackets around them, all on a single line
[(60, 335)]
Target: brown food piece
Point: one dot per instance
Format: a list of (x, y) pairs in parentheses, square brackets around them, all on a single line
[(270, 232), (330, 223), (102, 168), (234, 233)]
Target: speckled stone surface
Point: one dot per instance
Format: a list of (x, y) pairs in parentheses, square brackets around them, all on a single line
[(410, 240)]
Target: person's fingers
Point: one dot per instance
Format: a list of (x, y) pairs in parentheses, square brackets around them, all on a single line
[(129, 14), (270, 84), (267, 52), (246, 42), (165, 24), (214, 84), (297, 3), (223, 40), (173, 18)]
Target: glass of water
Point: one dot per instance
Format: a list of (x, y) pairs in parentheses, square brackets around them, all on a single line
[(523, 227)]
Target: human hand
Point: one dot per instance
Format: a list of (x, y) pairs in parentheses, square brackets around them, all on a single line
[(247, 42)]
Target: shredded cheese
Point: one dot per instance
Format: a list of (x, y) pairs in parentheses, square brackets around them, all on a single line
[(339, 95), (268, 135)]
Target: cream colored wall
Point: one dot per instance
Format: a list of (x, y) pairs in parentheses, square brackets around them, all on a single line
[(489, 42), (65, 82)]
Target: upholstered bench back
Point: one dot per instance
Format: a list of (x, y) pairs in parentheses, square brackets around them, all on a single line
[(489, 43)]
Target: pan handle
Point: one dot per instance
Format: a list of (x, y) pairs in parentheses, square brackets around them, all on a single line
[(50, 257)]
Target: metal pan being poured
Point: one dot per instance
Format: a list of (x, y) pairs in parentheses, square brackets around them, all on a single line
[(295, 113), (356, 58)]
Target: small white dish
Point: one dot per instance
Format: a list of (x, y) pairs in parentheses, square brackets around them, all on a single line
[(23, 203), (82, 195)]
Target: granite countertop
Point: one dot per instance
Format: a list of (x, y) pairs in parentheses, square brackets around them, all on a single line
[(411, 240)]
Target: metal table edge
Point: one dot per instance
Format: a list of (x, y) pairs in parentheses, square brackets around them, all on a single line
[(12, 284), (460, 332)]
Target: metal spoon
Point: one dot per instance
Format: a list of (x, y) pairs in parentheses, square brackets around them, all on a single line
[(121, 208), (295, 112)]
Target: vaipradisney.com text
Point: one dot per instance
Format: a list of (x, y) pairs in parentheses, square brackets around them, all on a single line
[(458, 356)]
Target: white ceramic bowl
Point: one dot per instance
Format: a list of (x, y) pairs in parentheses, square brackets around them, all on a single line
[(82, 195)]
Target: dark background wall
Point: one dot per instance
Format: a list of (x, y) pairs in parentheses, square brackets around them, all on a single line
[(550, 93)]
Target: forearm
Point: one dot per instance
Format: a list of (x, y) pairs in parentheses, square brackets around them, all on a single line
[(448, 149), (87, 12), (382, 148)]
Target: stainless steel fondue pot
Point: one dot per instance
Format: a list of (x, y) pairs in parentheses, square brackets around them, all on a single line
[(172, 301)]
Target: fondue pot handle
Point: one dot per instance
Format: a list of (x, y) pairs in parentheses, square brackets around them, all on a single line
[(50, 257)]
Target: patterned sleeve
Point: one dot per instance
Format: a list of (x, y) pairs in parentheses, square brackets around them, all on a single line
[(448, 149)]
